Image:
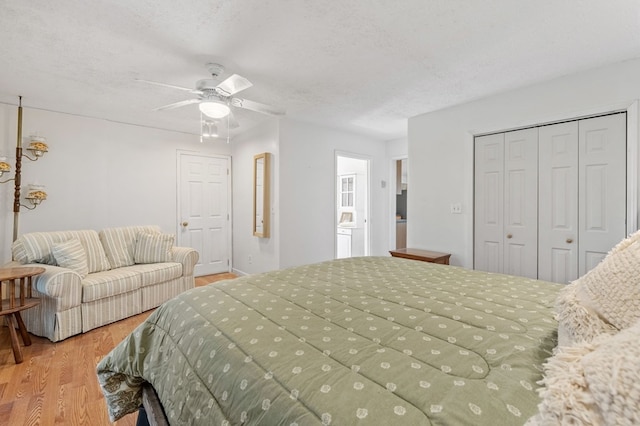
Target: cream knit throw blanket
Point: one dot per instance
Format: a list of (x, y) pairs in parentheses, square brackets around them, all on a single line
[(596, 383)]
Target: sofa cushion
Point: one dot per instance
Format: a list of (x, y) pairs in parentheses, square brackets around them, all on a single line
[(119, 243), (71, 255), (153, 248), (35, 247), (109, 283), (156, 273)]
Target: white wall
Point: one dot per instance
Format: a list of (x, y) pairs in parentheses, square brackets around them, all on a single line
[(441, 147), (308, 192), (97, 173), (264, 252), (101, 174)]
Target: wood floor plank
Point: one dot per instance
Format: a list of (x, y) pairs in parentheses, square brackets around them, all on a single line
[(56, 384)]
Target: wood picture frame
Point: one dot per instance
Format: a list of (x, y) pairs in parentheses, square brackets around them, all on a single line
[(261, 194)]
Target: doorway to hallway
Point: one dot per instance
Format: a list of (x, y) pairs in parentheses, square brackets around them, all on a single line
[(352, 205)]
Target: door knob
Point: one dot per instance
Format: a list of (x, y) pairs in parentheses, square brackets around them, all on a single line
[(509, 236), (185, 224), (569, 240)]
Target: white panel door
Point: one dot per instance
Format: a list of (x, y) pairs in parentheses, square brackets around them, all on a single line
[(521, 203), (489, 203), (602, 191), (558, 203), (203, 208)]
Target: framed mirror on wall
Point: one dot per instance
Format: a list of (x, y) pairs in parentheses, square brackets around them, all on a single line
[(261, 194)]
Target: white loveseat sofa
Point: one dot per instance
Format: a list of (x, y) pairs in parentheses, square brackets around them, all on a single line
[(93, 279)]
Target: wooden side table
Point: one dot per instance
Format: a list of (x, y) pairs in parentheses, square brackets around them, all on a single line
[(12, 306), (422, 255)]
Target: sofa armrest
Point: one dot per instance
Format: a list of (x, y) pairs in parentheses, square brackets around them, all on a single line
[(60, 284), (188, 257)]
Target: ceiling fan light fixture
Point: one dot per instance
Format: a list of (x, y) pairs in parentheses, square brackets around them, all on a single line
[(214, 109), (208, 129)]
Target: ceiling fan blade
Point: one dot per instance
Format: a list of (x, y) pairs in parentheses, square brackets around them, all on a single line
[(170, 86), (232, 85), (257, 106), (177, 104)]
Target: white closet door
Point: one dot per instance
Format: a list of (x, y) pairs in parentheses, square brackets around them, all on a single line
[(489, 203), (602, 192), (521, 203), (558, 203)]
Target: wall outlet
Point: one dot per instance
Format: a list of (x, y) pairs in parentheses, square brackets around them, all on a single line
[(456, 208), (250, 259)]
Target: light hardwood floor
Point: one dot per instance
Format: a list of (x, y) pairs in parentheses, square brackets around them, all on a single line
[(57, 382)]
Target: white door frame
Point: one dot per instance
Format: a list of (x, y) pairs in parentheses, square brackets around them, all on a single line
[(179, 154), (367, 224), (633, 149)]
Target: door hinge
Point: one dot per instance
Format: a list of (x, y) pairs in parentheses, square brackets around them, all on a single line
[(227, 216), (227, 172)]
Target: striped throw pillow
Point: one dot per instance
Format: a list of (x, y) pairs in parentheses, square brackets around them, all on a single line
[(153, 248), (120, 243), (36, 247), (71, 255)]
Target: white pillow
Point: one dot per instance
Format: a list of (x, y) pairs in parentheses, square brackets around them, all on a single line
[(577, 321), (632, 238), (605, 299), (71, 254), (153, 248), (612, 289)]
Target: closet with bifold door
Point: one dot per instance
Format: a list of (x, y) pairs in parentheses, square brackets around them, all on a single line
[(550, 201)]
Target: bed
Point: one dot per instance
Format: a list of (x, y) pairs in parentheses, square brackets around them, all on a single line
[(375, 340)]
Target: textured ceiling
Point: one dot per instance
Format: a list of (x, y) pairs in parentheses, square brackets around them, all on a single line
[(360, 65)]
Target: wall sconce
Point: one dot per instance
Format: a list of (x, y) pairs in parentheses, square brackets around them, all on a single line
[(36, 195)]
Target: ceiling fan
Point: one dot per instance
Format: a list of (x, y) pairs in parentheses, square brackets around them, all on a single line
[(215, 98)]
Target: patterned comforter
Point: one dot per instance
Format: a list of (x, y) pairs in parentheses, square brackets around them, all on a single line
[(367, 340)]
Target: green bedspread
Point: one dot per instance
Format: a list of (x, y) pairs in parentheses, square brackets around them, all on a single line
[(370, 340)]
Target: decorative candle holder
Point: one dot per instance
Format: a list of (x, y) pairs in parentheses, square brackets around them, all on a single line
[(38, 146), (36, 194), (4, 166)]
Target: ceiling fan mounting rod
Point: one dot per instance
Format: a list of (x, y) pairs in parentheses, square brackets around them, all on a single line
[(216, 70)]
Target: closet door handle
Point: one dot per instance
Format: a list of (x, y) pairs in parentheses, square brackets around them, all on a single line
[(509, 236), (569, 240)]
